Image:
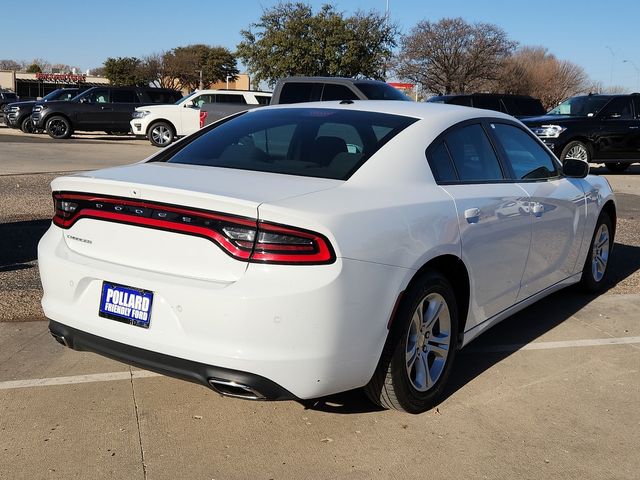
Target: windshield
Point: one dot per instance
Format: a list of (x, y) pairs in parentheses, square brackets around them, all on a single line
[(584, 106), (381, 91), (324, 143)]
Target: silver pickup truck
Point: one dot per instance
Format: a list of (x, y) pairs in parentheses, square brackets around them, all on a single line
[(309, 89)]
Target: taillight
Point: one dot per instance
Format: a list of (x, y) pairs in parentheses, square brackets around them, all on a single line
[(203, 117), (240, 237)]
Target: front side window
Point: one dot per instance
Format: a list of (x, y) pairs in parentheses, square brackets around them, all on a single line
[(582, 106), (321, 143), (473, 155), (99, 95), (528, 159)]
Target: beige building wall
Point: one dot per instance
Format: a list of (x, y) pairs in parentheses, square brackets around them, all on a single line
[(243, 82), (8, 80)]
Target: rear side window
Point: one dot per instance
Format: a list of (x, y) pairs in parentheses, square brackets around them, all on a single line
[(462, 101), (162, 96), (230, 98), (618, 108), (315, 142), (337, 92), (487, 103), (298, 92), (524, 107), (441, 165), (528, 159), (473, 155), (123, 96)]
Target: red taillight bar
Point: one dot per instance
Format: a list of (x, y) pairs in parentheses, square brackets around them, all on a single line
[(203, 117), (302, 248)]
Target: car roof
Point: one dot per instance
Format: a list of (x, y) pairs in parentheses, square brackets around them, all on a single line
[(330, 80), (448, 114)]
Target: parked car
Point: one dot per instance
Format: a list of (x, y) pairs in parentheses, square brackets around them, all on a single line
[(310, 89), (99, 108), (519, 106), (594, 128), (6, 97), (303, 250), (162, 124), (18, 115)]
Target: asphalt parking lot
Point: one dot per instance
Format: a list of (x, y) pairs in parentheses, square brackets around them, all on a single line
[(552, 392)]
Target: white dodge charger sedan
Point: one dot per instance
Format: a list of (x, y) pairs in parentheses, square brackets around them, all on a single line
[(301, 250)]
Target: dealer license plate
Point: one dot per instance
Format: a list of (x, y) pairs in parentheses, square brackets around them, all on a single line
[(126, 304)]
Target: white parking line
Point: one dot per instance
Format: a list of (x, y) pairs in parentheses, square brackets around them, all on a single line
[(95, 377), (594, 342), (112, 376)]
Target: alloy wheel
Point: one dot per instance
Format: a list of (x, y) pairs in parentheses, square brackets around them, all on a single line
[(161, 135), (58, 128), (578, 152), (600, 253), (428, 342)]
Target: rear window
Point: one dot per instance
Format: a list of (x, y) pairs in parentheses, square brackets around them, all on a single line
[(322, 143), (381, 91)]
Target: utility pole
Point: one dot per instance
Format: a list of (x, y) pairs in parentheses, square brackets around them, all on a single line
[(201, 83), (613, 59), (637, 73)]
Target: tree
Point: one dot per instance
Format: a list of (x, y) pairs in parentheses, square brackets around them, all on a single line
[(63, 68), (10, 65), (289, 39), (34, 68), (536, 72), (452, 56), (126, 71), (186, 67)]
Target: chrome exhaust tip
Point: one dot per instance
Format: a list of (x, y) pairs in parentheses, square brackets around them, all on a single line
[(229, 388), (61, 339)]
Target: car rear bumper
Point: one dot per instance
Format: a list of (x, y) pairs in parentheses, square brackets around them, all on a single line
[(247, 385), (311, 330)]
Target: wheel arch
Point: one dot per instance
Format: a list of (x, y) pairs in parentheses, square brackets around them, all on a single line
[(455, 271), (163, 120), (610, 209), (58, 114)]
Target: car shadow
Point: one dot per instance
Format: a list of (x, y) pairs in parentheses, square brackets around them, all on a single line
[(504, 339), (19, 243), (602, 170)]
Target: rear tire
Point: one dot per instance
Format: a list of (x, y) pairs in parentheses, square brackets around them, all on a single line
[(617, 166), (594, 272), (26, 125), (420, 349), (161, 134), (59, 127)]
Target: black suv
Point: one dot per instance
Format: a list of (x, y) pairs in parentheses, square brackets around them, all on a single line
[(99, 108), (6, 98), (18, 114), (518, 106), (594, 128)]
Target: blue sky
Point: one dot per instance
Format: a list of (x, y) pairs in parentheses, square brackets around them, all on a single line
[(595, 34)]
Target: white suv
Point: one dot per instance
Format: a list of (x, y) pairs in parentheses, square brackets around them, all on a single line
[(162, 124)]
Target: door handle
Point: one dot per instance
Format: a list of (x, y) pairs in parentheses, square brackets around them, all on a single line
[(106, 108), (472, 215), (633, 128), (538, 209)]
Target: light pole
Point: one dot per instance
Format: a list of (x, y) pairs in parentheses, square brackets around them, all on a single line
[(637, 72), (201, 83), (613, 58), (228, 77)]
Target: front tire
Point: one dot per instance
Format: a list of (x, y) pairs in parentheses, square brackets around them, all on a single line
[(616, 166), (594, 272), (26, 125), (58, 127), (578, 150), (161, 134), (420, 349)]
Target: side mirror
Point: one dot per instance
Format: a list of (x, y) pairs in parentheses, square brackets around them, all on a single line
[(574, 168), (84, 100), (188, 104)]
